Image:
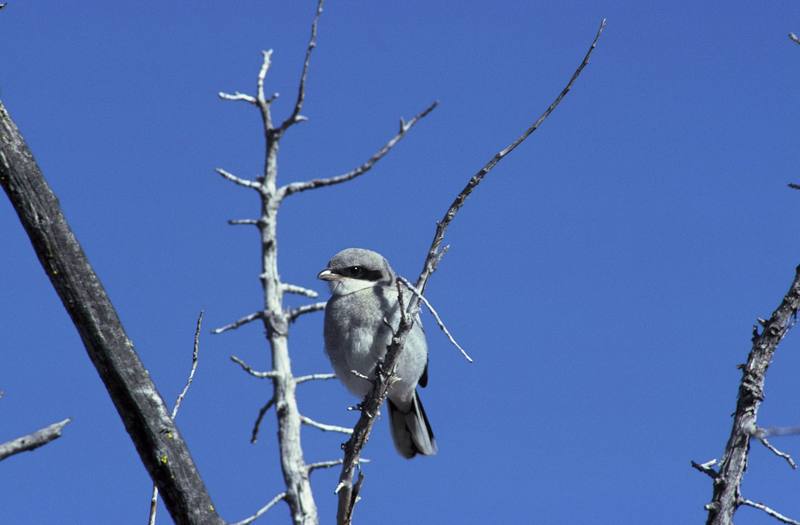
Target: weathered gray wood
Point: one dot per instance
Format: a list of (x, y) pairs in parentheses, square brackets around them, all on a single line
[(143, 412)]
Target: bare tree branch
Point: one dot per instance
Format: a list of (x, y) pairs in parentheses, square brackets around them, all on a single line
[(32, 441), (243, 222), (237, 97), (405, 127), (777, 452), (324, 426), (144, 413), (314, 377), (177, 407), (276, 319), (237, 180), (726, 489), (295, 117), (262, 510), (346, 490), (707, 468), (305, 309), (299, 290), (775, 514), (435, 315), (250, 370), (257, 425), (239, 322)]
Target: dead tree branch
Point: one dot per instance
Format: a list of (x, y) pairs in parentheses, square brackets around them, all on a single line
[(346, 489), (727, 485), (177, 407), (32, 441), (775, 514), (274, 315), (144, 413), (262, 510), (405, 127)]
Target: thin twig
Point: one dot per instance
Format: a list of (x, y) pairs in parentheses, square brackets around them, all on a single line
[(777, 452), (32, 441), (297, 187), (324, 426), (328, 464), (436, 316), (257, 425), (243, 222), (262, 510), (177, 407), (347, 491), (313, 377), (238, 180), (299, 290), (305, 309), (295, 117), (476, 179), (237, 96), (775, 514), (253, 372), (195, 354), (707, 468), (239, 322)]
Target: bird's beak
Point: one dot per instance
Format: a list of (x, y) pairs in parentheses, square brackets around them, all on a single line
[(327, 275)]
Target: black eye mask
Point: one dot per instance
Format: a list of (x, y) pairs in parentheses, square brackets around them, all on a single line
[(359, 272)]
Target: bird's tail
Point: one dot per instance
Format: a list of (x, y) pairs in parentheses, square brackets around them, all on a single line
[(411, 430)]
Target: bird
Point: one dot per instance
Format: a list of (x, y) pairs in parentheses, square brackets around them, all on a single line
[(364, 297)]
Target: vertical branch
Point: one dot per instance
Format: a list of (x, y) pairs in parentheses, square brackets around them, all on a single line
[(727, 481), (275, 317)]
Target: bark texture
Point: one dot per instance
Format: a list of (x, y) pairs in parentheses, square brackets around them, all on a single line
[(143, 412)]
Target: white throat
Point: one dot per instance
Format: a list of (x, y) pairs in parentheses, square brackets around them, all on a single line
[(347, 285)]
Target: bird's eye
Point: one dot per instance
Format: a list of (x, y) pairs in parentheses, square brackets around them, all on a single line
[(356, 271)]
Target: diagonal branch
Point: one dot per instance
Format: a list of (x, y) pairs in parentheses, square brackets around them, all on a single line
[(405, 127), (774, 513), (249, 318), (141, 408), (177, 407), (324, 426), (435, 315), (476, 179), (296, 117), (262, 510), (238, 180), (32, 441), (253, 372), (346, 489), (726, 488)]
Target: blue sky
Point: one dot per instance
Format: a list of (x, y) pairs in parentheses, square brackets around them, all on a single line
[(605, 277)]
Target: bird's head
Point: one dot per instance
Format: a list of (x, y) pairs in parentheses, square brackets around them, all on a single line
[(355, 269)]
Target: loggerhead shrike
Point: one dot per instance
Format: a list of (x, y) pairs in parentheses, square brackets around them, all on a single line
[(364, 293)]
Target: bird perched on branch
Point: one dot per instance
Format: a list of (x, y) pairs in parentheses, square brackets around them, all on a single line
[(364, 296)]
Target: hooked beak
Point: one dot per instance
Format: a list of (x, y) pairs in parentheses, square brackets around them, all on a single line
[(327, 275)]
